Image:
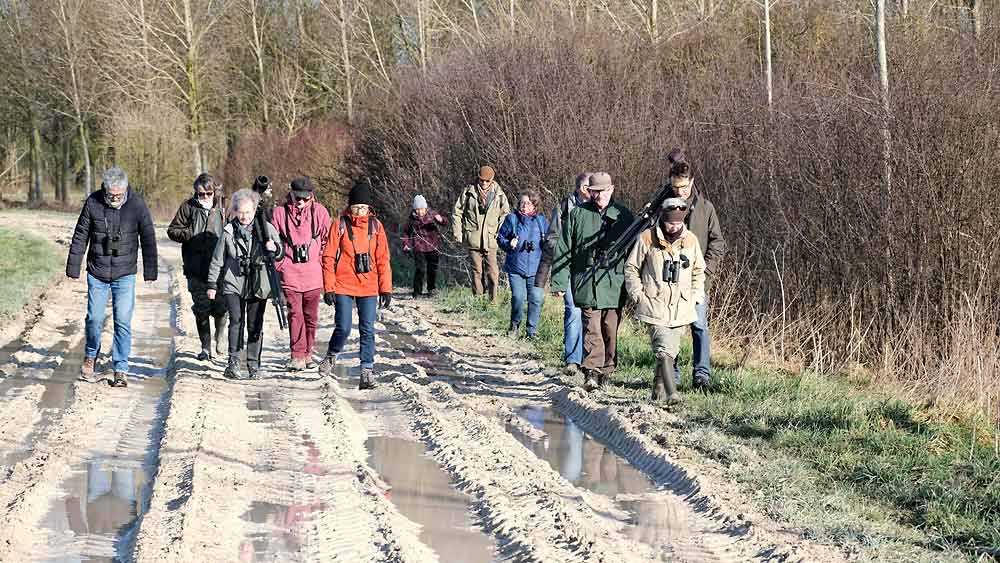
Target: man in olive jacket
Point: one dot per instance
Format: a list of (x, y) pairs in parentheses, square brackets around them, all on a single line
[(112, 228), (702, 220), (587, 232), (197, 225), (478, 214)]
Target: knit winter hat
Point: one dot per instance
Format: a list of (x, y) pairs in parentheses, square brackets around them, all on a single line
[(419, 202), (676, 155), (360, 194), (674, 209), (486, 173)]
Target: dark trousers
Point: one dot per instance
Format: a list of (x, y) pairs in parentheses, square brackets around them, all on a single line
[(303, 318), (426, 267), (344, 308), (600, 340), (248, 313)]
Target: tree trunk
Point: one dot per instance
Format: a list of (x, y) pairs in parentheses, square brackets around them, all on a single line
[(769, 91), (976, 11), (654, 33), (35, 184), (68, 177), (885, 194), (88, 171), (346, 59)]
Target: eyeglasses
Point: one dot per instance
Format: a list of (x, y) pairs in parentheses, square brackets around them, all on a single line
[(675, 207), (204, 194), (115, 196)]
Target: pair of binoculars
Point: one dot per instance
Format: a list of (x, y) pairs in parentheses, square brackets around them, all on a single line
[(672, 269), (300, 253), (362, 263), (112, 245)]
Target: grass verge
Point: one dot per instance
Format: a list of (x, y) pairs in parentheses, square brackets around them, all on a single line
[(26, 263), (883, 470)]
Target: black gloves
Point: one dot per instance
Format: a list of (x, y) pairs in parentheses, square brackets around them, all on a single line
[(384, 299), (329, 297)]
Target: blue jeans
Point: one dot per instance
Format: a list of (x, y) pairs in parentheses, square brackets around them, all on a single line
[(572, 330), (122, 304), (344, 307), (523, 288), (700, 367)]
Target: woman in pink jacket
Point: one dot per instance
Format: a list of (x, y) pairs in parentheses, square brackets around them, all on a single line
[(304, 227)]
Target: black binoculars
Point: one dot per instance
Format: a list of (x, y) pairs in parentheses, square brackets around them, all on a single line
[(245, 266), (261, 184), (300, 253), (672, 269), (112, 245), (529, 246), (362, 263)]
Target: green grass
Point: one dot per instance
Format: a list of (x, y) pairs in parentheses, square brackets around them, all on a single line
[(925, 468), (26, 262)]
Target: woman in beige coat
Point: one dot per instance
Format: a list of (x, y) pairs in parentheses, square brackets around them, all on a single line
[(665, 278)]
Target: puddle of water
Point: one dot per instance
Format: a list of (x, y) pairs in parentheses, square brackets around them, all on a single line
[(108, 491), (276, 535), (591, 465), (423, 493)]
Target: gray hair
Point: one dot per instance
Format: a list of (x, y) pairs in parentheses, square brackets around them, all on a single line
[(583, 180), (242, 196), (115, 178)]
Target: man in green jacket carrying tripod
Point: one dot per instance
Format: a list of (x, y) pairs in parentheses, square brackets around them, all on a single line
[(587, 233)]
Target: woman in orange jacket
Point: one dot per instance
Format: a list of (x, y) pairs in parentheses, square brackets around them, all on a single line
[(356, 271)]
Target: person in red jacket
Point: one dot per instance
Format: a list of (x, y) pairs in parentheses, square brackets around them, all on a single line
[(356, 272), (304, 226)]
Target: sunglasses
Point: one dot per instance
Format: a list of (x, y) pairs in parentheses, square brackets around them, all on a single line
[(676, 207), (205, 194), (297, 198)]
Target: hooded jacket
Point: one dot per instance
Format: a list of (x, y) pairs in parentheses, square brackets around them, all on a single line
[(476, 225), (198, 230), (527, 228), (339, 275), (98, 224), (310, 227), (660, 302)]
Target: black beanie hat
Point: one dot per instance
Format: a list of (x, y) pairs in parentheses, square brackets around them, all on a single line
[(360, 194)]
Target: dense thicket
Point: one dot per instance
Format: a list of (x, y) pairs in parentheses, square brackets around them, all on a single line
[(817, 270)]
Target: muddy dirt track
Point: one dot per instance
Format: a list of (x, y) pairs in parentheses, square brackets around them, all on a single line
[(465, 452)]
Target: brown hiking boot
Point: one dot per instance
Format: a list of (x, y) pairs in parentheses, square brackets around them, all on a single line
[(590, 381), (296, 364), (89, 364), (119, 380), (367, 380)]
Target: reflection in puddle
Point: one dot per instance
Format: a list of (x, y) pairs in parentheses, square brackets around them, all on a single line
[(102, 498), (590, 465), (423, 493), (277, 534)]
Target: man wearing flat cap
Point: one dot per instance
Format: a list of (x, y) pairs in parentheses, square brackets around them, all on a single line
[(665, 278), (303, 225), (478, 214), (587, 233)]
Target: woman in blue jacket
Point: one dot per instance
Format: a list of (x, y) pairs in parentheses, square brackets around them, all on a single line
[(521, 237)]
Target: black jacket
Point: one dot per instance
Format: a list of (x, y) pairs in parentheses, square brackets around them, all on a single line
[(703, 221), (198, 230), (131, 223)]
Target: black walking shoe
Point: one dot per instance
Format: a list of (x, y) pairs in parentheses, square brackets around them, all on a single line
[(253, 372), (701, 383), (119, 380), (232, 371), (367, 380), (204, 355)]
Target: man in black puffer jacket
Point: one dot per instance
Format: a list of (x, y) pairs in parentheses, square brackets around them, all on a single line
[(113, 225), (198, 226)]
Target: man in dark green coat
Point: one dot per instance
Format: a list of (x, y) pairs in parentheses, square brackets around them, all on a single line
[(587, 232)]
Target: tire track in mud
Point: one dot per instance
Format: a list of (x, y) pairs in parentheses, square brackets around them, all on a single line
[(79, 485), (271, 469), (493, 387)]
